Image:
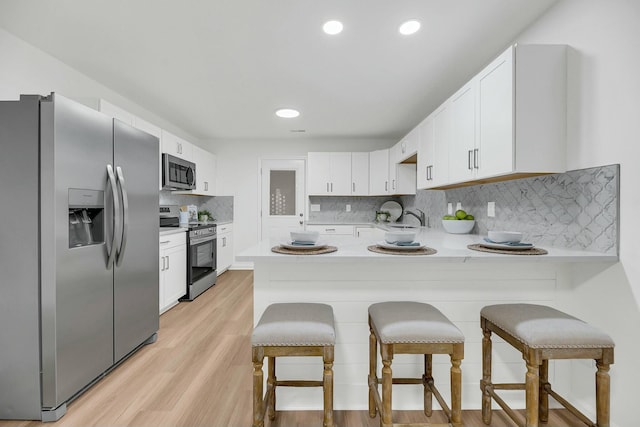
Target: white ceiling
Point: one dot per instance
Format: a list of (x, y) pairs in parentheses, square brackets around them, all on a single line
[(220, 68)]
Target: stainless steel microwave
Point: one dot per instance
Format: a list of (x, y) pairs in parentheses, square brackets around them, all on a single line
[(177, 173)]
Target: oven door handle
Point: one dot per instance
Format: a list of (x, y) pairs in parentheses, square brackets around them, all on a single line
[(199, 240)]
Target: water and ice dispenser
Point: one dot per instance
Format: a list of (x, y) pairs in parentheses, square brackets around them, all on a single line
[(86, 217)]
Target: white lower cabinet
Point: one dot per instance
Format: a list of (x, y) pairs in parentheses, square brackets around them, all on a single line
[(369, 233), (173, 269), (336, 230), (224, 257)]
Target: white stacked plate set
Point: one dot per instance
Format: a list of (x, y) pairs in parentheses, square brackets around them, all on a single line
[(402, 240), (304, 239), (505, 240)]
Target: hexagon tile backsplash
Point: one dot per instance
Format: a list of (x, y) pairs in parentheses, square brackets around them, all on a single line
[(576, 210)]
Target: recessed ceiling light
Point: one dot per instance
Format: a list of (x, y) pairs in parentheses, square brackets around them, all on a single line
[(409, 27), (332, 27), (287, 113)]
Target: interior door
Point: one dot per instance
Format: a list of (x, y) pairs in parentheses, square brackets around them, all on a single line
[(136, 278), (282, 197)]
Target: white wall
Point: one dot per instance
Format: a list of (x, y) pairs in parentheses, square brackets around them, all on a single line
[(238, 173), (25, 69), (604, 128)]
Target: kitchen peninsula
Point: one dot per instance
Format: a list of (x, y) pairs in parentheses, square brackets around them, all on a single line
[(457, 280)]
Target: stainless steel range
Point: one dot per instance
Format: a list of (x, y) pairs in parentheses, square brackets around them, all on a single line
[(201, 252)]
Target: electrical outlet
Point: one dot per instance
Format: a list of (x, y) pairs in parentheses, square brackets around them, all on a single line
[(458, 206), (348, 208), (449, 208), (491, 209), (315, 208)]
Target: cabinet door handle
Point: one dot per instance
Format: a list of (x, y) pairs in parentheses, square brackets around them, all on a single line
[(475, 158), (162, 268), (224, 242), (353, 187), (330, 230), (206, 186), (332, 187), (393, 184), (168, 266), (165, 242), (469, 153), (327, 187), (386, 186)]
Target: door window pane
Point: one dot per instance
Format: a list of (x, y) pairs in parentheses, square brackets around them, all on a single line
[(282, 192)]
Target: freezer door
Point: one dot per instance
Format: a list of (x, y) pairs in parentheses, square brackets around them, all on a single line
[(136, 284), (76, 286)]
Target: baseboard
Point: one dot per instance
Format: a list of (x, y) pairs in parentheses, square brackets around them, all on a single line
[(241, 266)]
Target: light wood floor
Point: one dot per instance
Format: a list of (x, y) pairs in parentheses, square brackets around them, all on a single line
[(198, 373)]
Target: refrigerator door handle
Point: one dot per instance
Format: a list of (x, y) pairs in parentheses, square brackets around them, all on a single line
[(125, 215), (111, 251)]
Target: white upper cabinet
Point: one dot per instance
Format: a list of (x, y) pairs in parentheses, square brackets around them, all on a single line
[(433, 155), (394, 156), (402, 177), (408, 145), (176, 146), (329, 174), (359, 174), (463, 152), (508, 121), (522, 111), (379, 172), (205, 172)]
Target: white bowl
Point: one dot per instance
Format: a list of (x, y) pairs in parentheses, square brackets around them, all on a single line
[(458, 226), (505, 236), (305, 236), (399, 236)]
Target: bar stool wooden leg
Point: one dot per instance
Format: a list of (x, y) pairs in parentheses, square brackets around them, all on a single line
[(486, 376), (327, 387), (373, 368), (387, 380), (258, 357), (602, 394), (456, 385), (427, 382), (271, 380), (543, 403), (532, 382)]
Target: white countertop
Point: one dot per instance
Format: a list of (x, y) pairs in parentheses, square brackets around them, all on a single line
[(164, 231), (450, 247)]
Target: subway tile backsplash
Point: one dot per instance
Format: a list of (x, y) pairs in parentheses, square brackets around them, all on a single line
[(575, 210), (221, 207)]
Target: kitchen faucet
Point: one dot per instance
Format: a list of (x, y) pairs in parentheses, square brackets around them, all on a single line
[(420, 217)]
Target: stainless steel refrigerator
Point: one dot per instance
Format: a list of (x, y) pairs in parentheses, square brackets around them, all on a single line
[(79, 250)]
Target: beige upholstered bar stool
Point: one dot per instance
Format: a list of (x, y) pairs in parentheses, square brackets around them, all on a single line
[(405, 327), (542, 333), (292, 329)]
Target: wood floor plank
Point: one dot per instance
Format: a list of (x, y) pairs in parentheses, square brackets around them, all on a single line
[(199, 373)]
